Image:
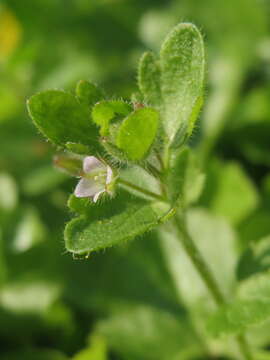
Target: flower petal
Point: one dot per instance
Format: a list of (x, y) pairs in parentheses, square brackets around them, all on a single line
[(88, 188), (91, 163), (97, 195)]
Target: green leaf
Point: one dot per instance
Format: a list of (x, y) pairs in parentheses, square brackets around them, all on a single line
[(147, 332), (88, 93), (255, 259), (182, 76), (236, 317), (78, 148), (97, 350), (149, 79), (251, 307), (38, 354), (8, 192), (29, 296), (61, 118), (41, 180), (30, 231), (216, 241), (137, 133), (109, 223), (185, 179), (105, 111), (230, 192)]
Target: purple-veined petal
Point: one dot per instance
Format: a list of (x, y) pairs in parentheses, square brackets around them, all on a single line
[(88, 188), (91, 163)]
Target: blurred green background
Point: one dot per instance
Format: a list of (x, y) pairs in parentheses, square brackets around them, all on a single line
[(125, 304)]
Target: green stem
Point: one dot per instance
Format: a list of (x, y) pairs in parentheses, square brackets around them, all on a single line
[(148, 193), (198, 261), (153, 170), (206, 275)]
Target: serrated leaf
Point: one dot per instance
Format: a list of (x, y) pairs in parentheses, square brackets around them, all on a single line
[(61, 118), (251, 307), (110, 223), (137, 133), (149, 79), (182, 75), (88, 93), (105, 111)]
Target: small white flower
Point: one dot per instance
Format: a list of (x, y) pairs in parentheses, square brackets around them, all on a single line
[(96, 179)]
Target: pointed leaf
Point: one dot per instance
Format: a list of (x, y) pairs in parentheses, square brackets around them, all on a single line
[(61, 118), (137, 133), (182, 75)]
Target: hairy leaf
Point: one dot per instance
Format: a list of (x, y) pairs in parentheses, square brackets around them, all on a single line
[(182, 75), (149, 79), (137, 133), (61, 118), (109, 223), (105, 111), (88, 93)]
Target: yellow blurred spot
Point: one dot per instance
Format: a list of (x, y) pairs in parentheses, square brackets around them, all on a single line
[(10, 33)]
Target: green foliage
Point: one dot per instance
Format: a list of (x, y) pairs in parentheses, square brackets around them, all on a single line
[(137, 133), (182, 77), (251, 307), (185, 180), (175, 82), (97, 350), (106, 111), (255, 259), (42, 354), (143, 300), (88, 93), (61, 118), (109, 224), (229, 192), (149, 79), (149, 333)]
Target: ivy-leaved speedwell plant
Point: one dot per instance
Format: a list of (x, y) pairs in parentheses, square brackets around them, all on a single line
[(135, 170)]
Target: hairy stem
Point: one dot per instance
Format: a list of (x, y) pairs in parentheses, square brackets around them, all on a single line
[(206, 275)]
